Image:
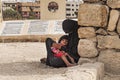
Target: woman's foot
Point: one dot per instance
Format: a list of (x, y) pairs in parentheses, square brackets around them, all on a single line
[(43, 60)]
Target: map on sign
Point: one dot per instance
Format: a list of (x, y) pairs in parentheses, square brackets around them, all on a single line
[(38, 27), (58, 27), (12, 28)]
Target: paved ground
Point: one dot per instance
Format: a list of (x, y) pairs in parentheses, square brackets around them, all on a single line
[(21, 61)]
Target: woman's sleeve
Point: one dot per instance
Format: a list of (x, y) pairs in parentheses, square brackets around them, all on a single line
[(49, 43)]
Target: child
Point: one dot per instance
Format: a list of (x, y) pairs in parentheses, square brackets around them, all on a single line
[(62, 54)]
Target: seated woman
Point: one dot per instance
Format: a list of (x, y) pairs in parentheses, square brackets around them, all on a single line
[(70, 27)]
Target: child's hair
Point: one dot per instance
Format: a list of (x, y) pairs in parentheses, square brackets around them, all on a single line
[(63, 37)]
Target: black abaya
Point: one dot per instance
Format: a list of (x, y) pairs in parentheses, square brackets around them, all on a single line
[(70, 27)]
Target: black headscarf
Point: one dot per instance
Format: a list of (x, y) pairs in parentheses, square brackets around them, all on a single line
[(71, 27)]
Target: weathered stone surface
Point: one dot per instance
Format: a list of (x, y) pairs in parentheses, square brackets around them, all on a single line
[(114, 15), (88, 71), (113, 3), (112, 33), (101, 31), (111, 59), (94, 1), (93, 39), (86, 32), (91, 0), (118, 27), (87, 48), (108, 42), (93, 15), (86, 60), (56, 77)]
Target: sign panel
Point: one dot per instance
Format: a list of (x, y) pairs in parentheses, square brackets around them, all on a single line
[(57, 28), (38, 27), (12, 28)]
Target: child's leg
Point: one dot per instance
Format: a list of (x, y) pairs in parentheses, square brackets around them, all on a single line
[(66, 61), (72, 60)]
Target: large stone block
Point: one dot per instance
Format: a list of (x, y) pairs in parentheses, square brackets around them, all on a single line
[(93, 15), (108, 42), (114, 15), (86, 32), (87, 48), (118, 27), (111, 59), (113, 3), (88, 71)]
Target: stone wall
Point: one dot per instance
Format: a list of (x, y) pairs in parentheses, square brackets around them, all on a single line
[(99, 32)]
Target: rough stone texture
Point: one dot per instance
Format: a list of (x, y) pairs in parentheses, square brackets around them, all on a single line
[(118, 27), (91, 0), (112, 33), (87, 48), (113, 3), (111, 77), (94, 39), (95, 1), (93, 15), (86, 32), (101, 31), (86, 60), (108, 42), (111, 59), (88, 71), (56, 77), (114, 15)]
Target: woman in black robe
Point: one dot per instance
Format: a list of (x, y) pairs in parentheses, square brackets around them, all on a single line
[(70, 27)]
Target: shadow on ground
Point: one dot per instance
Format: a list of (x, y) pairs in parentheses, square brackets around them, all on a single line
[(28, 68)]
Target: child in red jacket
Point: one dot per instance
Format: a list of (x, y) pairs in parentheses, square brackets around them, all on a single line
[(62, 54)]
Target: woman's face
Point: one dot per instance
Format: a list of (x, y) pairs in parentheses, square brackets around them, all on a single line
[(64, 42)]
